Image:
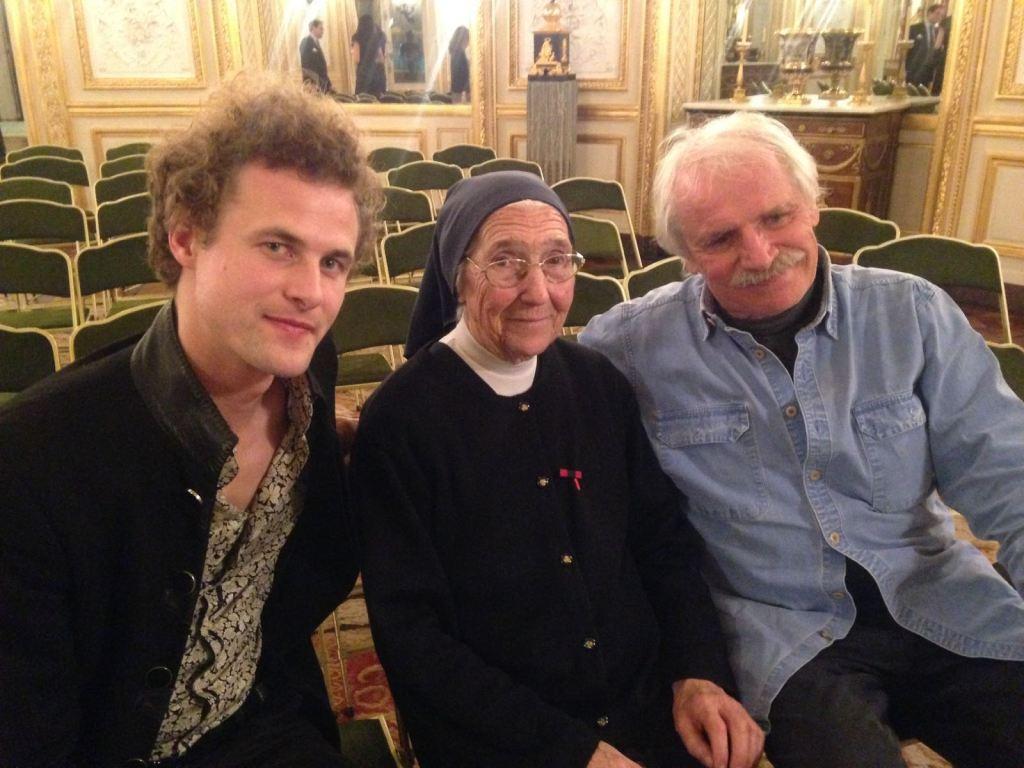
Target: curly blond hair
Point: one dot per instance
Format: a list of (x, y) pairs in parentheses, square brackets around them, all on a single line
[(254, 118)]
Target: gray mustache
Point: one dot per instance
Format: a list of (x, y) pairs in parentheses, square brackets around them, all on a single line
[(786, 258)]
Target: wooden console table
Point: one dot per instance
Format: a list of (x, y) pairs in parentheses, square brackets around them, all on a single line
[(854, 146)]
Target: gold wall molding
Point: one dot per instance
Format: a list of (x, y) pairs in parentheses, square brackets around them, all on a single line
[(41, 85), (132, 110), (419, 136), (515, 35), (683, 58), (409, 110), (483, 80), (610, 140), (227, 38), (998, 128), (92, 80), (953, 133), (1013, 45), (653, 95), (993, 164)]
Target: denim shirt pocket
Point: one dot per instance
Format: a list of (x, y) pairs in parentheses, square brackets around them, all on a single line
[(714, 450), (892, 432)]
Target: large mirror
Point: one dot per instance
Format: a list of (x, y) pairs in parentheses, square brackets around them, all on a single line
[(910, 33), (386, 51)]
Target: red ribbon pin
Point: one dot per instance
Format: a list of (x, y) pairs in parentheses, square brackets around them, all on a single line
[(575, 474)]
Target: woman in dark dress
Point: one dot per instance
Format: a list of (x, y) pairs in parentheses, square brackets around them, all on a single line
[(368, 51), (532, 582), (459, 65)]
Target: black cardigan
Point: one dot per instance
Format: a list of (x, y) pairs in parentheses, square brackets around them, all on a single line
[(520, 619), (98, 533)]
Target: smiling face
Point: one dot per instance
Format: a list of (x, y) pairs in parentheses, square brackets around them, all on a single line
[(520, 322), (258, 294), (750, 232)]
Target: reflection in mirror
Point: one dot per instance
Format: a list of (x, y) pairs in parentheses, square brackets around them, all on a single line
[(904, 39), (415, 49)]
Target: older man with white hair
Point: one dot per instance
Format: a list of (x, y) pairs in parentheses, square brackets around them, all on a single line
[(814, 414)]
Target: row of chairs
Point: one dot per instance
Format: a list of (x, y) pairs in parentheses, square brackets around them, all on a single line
[(952, 264), (42, 222), (393, 97)]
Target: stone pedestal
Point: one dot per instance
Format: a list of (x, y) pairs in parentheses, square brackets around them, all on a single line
[(551, 126)]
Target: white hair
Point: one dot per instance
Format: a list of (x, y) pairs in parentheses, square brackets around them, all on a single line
[(691, 156)]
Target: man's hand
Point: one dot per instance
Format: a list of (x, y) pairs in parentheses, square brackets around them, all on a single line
[(715, 728), (607, 756)]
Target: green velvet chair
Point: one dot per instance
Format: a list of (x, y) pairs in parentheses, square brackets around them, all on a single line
[(643, 281), (126, 216), (122, 165), (27, 355), (593, 295), (124, 150), (42, 222), (1011, 362), (372, 316), (26, 269), (95, 335), (117, 263), (44, 150), (426, 176), (383, 159), (405, 253), (464, 155), (581, 194), (122, 185), (506, 164), (599, 242), (948, 262), (31, 188), (72, 172), (846, 231)]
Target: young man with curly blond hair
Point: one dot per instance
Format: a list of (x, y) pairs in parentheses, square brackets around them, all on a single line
[(172, 524)]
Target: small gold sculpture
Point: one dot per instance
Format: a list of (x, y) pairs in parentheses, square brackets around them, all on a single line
[(551, 45)]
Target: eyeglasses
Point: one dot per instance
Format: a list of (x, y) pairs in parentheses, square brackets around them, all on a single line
[(510, 272)]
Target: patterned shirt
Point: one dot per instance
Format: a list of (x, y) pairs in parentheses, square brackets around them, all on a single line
[(218, 667)]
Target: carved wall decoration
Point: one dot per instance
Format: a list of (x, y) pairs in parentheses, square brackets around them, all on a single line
[(139, 44), (599, 32), (1011, 80)]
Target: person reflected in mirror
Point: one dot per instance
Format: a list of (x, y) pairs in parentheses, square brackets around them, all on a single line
[(820, 419), (369, 48), (459, 63), (534, 590), (312, 59), (928, 54)]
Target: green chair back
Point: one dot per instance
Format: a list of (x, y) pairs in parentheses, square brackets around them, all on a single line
[(580, 194), (124, 150), (44, 150), (464, 155), (117, 263), (97, 334), (371, 316), (42, 221), (424, 175), (46, 271), (404, 206), (843, 230), (123, 217), (29, 188), (122, 165), (27, 355), (592, 296), (122, 185), (643, 281), (598, 240), (406, 252), (385, 158), (1011, 363), (72, 172), (945, 261), (506, 164)]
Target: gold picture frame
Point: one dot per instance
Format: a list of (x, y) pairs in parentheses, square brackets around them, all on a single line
[(521, 12), (168, 12), (1013, 52)]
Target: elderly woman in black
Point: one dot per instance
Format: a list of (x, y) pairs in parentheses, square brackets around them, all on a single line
[(532, 583)]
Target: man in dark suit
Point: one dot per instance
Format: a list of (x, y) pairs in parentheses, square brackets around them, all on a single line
[(173, 524), (311, 55), (929, 48)]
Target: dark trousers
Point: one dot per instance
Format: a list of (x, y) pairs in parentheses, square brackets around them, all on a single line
[(270, 734), (850, 706)]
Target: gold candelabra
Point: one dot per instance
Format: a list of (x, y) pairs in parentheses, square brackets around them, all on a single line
[(862, 95), (740, 93), (900, 90)]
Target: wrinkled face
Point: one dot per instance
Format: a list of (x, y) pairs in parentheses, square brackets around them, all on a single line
[(520, 322), (750, 232), (257, 295)]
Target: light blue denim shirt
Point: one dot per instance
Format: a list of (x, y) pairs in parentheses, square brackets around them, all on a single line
[(893, 400)]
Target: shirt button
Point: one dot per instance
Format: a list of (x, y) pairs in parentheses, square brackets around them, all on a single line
[(543, 481), (814, 475), (759, 353), (834, 537), (567, 559), (195, 495), (826, 635), (158, 677), (602, 721), (790, 411), (524, 407), (838, 595), (590, 643)]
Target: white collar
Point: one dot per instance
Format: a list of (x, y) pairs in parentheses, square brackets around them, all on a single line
[(503, 377)]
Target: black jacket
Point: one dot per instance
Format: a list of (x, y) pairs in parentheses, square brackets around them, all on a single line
[(106, 492)]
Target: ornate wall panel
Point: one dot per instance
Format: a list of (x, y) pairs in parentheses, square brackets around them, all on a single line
[(152, 44), (999, 222)]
